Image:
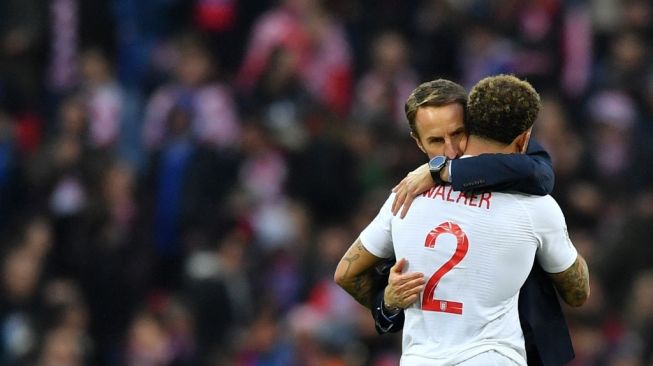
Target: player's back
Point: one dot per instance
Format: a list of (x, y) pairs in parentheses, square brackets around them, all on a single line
[(475, 251)]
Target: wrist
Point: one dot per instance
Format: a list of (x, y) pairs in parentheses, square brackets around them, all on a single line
[(445, 175), (390, 310), (436, 166)]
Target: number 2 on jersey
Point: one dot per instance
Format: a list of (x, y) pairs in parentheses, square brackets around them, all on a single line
[(429, 302)]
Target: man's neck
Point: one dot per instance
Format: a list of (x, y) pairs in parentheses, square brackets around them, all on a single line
[(478, 145)]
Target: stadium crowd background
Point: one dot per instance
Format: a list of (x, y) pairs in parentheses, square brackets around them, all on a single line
[(178, 179)]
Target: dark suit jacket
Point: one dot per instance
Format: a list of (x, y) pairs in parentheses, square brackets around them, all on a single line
[(545, 330)]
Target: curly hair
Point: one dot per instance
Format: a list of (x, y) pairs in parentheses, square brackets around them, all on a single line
[(501, 107), (435, 93)]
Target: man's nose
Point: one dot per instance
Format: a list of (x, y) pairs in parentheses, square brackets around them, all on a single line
[(450, 151)]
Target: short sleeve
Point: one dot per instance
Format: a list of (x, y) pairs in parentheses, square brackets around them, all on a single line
[(555, 252), (377, 236)]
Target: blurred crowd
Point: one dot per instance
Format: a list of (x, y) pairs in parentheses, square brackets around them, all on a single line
[(178, 179)]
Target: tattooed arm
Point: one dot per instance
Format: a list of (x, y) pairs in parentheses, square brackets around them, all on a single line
[(353, 273), (573, 284)]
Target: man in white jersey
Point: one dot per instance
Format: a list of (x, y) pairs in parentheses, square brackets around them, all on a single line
[(476, 249)]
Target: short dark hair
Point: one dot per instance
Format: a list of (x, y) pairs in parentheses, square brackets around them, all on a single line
[(501, 107), (435, 93)]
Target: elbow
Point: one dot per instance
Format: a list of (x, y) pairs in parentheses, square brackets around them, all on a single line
[(340, 276), (337, 278), (579, 297), (577, 302)]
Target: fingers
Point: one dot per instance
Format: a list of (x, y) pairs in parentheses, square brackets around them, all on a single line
[(411, 287), (399, 283), (415, 183), (400, 280), (406, 205), (400, 197), (409, 300), (399, 266), (394, 203), (404, 295), (404, 198)]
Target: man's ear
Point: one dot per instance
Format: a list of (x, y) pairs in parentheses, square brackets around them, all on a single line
[(522, 140), (419, 144)]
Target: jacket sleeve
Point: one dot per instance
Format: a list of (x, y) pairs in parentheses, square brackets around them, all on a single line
[(530, 173), (383, 323)]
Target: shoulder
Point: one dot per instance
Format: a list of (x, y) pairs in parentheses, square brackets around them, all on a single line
[(544, 211)]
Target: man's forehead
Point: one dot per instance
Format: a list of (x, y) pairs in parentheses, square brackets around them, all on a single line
[(444, 119)]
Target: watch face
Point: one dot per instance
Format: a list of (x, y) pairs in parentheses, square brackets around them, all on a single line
[(437, 162)]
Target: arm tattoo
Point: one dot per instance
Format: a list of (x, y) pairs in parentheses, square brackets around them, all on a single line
[(360, 286), (361, 289), (349, 261), (573, 283)]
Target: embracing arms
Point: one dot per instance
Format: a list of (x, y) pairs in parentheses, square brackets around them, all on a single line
[(530, 173)]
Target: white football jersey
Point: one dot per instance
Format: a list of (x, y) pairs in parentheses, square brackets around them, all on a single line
[(475, 251)]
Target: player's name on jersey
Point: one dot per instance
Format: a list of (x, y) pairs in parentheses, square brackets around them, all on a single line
[(447, 193)]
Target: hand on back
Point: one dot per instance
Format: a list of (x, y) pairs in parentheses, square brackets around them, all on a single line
[(403, 289)]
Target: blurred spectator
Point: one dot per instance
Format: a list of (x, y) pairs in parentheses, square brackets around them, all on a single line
[(66, 340), (263, 162), (538, 33), (613, 116), (282, 99), (11, 172), (148, 343), (65, 175), (641, 315), (141, 31), (577, 48), (323, 174), (638, 16), (220, 292), (64, 38), (382, 92), (116, 271), (315, 39), (484, 52), (436, 23), (178, 193), (21, 68), (62, 347), (264, 344), (103, 98), (628, 61), (209, 104), (19, 308), (618, 272), (558, 136)]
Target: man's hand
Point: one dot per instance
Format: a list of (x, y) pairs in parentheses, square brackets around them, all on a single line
[(403, 289), (416, 182)]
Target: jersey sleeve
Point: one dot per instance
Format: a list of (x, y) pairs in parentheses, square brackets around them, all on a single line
[(555, 252), (377, 236)]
